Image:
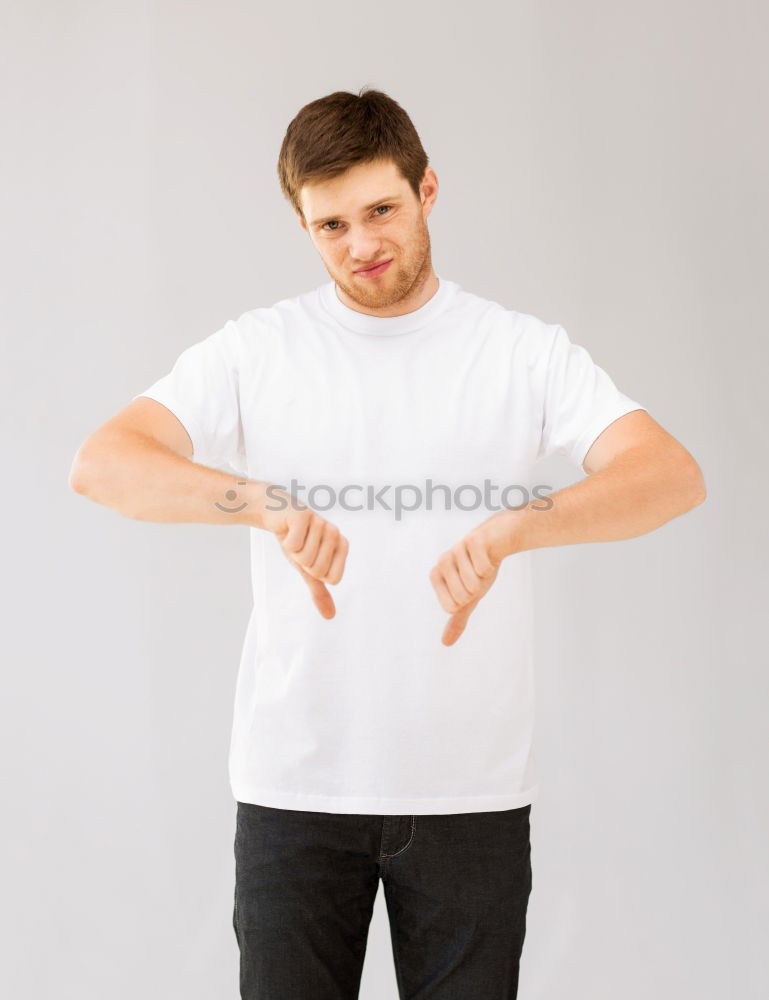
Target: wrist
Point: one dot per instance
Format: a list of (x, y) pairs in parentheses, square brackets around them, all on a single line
[(269, 506), (263, 504), (504, 534)]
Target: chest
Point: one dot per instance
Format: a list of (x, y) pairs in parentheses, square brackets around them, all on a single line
[(449, 406)]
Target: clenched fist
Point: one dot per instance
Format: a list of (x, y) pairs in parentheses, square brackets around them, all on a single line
[(313, 545), (465, 572)]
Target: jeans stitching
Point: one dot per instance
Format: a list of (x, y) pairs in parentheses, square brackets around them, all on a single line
[(407, 844)]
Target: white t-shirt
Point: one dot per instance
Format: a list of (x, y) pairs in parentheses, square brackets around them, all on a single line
[(368, 712)]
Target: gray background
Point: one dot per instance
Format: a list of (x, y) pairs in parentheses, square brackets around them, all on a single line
[(602, 165)]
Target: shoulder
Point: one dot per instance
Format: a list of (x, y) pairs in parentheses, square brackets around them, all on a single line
[(532, 336), (278, 317), (261, 329)]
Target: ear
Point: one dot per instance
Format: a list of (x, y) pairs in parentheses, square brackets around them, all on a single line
[(429, 190)]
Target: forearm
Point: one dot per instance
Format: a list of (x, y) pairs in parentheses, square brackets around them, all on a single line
[(141, 478), (632, 495)]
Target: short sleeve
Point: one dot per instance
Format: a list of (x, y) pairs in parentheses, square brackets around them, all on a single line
[(202, 391), (579, 399)]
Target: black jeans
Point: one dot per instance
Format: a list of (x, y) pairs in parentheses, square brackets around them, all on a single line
[(456, 888)]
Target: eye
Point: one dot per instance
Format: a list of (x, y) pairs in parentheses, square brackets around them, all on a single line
[(335, 222)]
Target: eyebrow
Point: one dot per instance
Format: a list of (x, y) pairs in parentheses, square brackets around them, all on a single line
[(367, 208)]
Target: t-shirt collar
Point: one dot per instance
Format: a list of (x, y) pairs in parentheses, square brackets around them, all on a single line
[(360, 322)]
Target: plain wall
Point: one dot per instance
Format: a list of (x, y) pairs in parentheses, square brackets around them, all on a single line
[(602, 165)]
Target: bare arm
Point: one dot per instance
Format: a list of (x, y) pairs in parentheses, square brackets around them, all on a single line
[(143, 478), (139, 465), (639, 477)]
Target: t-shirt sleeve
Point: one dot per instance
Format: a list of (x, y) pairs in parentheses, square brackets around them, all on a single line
[(579, 401), (202, 391)]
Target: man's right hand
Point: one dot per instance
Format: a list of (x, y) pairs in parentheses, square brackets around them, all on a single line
[(313, 545)]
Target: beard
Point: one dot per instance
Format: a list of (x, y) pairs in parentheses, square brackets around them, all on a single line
[(406, 275)]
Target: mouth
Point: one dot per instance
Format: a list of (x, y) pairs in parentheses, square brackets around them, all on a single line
[(374, 270)]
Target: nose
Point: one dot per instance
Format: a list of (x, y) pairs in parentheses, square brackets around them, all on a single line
[(364, 248)]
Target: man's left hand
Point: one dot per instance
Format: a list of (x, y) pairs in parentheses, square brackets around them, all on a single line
[(467, 570)]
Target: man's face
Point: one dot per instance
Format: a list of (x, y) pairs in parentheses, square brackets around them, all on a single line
[(367, 215)]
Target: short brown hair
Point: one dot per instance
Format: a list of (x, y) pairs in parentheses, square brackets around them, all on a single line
[(333, 133)]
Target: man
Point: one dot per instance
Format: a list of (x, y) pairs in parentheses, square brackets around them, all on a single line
[(373, 736)]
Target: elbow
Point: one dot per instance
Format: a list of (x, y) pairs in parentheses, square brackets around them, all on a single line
[(700, 496), (78, 477), (98, 472), (85, 469), (696, 489)]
